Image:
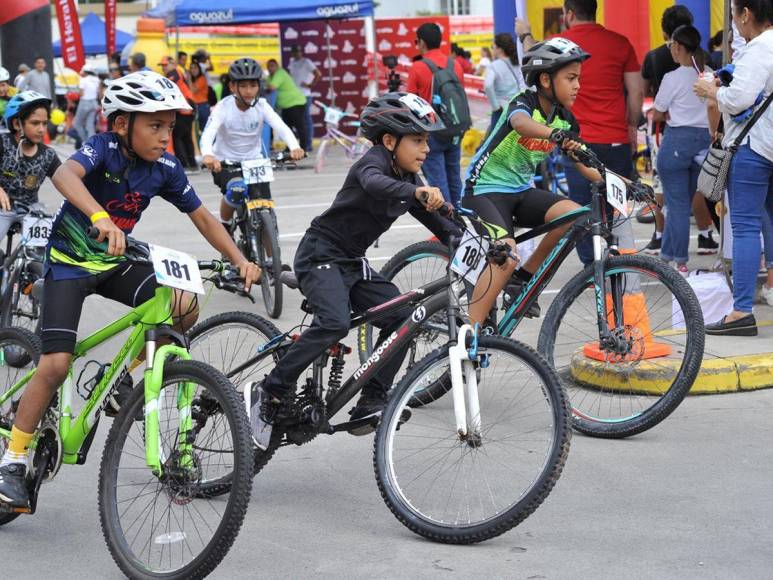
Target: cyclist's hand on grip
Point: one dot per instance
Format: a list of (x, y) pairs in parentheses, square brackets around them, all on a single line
[(5, 201), (211, 163), (430, 197), (250, 273), (116, 240), (297, 154)]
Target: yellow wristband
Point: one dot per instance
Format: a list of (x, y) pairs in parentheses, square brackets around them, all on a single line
[(95, 217)]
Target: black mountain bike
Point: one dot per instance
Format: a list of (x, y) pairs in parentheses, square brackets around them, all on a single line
[(460, 468), (625, 334)]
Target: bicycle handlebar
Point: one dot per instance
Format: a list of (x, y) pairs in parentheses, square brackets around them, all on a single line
[(636, 190)]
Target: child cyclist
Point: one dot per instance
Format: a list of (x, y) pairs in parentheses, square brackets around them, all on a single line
[(498, 181), (108, 183), (233, 132), (24, 160), (332, 272)]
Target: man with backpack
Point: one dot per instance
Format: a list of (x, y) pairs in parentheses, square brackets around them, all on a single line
[(439, 79)]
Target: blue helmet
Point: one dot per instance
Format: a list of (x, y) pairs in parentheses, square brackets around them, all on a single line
[(21, 102)]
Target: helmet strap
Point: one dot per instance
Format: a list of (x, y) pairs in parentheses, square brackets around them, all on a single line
[(127, 143), (555, 105), (239, 96)]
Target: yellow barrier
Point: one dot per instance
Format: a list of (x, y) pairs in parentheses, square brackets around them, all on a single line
[(225, 49)]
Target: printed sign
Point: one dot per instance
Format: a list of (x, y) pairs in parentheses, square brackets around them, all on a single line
[(616, 193), (470, 258), (35, 231), (257, 171), (176, 269)]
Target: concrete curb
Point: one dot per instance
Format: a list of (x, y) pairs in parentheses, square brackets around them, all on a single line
[(727, 375)]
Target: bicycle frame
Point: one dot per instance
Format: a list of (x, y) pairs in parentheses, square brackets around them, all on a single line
[(77, 432), (344, 140)]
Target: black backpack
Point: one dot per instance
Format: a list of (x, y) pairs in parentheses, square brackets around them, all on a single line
[(449, 99)]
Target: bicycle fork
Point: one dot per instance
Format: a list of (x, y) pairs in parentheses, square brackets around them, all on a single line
[(464, 386)]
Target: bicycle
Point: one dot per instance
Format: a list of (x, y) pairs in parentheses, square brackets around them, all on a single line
[(256, 228), (552, 175), (506, 427), (23, 265), (648, 323), (354, 147), (177, 435)]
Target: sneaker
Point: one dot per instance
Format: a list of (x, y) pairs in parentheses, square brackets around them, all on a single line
[(13, 489), (369, 406), (654, 246), (119, 397), (707, 245), (263, 410), (682, 269), (513, 291), (766, 295)]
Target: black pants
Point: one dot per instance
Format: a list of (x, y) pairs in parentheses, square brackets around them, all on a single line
[(335, 285), (183, 141), (295, 118)]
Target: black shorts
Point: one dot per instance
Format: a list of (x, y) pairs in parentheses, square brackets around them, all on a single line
[(229, 172), (130, 284), (526, 209)]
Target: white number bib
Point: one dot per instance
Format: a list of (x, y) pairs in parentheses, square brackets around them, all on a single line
[(470, 258), (616, 190), (36, 230), (176, 269), (257, 171)]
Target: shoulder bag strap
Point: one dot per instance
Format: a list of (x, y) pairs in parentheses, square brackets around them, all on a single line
[(758, 113)]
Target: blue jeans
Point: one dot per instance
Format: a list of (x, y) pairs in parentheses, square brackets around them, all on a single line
[(309, 125), (202, 114), (442, 167), (767, 239), (749, 188), (617, 158), (85, 118), (678, 173)]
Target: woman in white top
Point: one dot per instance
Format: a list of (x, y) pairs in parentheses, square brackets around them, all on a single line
[(86, 113), (503, 78), (750, 183), (485, 60), (686, 137)]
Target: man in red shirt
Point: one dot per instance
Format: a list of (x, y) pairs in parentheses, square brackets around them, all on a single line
[(608, 106), (442, 166)]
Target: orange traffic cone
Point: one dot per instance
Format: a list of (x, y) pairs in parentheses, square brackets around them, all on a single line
[(636, 322)]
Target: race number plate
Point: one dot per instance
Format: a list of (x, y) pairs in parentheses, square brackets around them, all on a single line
[(261, 203), (36, 230), (616, 193), (176, 269), (257, 171), (470, 258)]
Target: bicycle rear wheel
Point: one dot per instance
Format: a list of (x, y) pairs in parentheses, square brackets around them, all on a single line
[(164, 526), (270, 260), (619, 394), (20, 307), (463, 491)]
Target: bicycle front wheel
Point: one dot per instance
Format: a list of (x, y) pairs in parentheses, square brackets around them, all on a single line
[(462, 491), (657, 323), (164, 526), (20, 308), (270, 259)]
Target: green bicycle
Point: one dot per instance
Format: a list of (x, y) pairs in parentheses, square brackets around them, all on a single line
[(179, 434)]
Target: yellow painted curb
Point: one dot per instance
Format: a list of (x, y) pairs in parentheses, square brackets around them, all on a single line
[(653, 377)]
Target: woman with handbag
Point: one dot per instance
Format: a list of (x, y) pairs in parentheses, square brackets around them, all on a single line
[(503, 78), (750, 181), (685, 138)]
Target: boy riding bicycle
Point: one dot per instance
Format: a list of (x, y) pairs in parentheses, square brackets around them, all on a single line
[(108, 183), (498, 181), (233, 132), (333, 273)]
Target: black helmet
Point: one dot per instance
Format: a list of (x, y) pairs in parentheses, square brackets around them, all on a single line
[(549, 56), (398, 114), (245, 69)]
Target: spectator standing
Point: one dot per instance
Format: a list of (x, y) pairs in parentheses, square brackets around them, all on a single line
[(503, 78), (115, 71), (464, 58), (182, 134), (38, 80), (19, 80), (86, 113), (442, 166), (289, 99), (200, 90), (750, 182), (306, 75), (137, 62), (608, 106), (6, 90), (685, 140), (486, 57)]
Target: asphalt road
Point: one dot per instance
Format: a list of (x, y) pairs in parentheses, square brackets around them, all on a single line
[(688, 499)]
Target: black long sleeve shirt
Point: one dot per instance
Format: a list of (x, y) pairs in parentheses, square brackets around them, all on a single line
[(372, 198)]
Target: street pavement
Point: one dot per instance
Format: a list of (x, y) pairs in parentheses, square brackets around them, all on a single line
[(689, 499)]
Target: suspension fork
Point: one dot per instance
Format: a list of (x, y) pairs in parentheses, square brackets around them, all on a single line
[(598, 211)]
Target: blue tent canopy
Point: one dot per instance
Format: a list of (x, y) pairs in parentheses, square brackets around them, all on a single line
[(93, 35), (204, 12)]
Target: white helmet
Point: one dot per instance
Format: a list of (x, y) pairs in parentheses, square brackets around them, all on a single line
[(4, 76), (143, 92)]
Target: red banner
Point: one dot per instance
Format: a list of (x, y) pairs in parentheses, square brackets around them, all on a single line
[(70, 34), (110, 26)]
